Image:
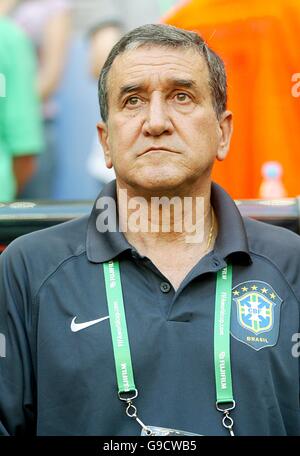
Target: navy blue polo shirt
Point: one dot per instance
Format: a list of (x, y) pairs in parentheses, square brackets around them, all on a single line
[(58, 376)]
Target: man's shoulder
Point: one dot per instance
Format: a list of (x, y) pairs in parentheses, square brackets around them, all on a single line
[(41, 252), (275, 250), (272, 241)]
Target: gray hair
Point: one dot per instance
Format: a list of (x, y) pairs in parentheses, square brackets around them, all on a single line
[(172, 37)]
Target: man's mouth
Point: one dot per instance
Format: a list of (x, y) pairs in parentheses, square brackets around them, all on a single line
[(157, 149)]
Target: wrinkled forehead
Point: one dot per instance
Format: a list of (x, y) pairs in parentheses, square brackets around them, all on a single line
[(157, 62)]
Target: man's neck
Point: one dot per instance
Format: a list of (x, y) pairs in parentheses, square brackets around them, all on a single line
[(173, 238)]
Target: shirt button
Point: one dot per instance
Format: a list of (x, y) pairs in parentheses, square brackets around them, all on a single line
[(165, 287), (216, 263)]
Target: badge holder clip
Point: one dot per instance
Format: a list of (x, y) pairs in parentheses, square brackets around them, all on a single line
[(227, 420), (131, 410)]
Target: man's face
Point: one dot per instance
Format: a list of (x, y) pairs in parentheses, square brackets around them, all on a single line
[(162, 131)]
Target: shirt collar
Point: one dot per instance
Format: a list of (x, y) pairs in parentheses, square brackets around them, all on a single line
[(103, 247), (231, 241)]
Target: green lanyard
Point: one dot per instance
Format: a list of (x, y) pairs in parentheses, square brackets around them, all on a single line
[(126, 387), (225, 402), (118, 327)]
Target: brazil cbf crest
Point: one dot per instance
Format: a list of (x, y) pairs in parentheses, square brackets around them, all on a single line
[(255, 314)]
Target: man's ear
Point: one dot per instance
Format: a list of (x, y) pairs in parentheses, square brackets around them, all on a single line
[(104, 141), (226, 129)]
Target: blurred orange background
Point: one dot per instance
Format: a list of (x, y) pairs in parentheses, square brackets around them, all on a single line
[(259, 43)]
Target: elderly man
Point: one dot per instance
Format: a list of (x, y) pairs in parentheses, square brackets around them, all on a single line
[(130, 321)]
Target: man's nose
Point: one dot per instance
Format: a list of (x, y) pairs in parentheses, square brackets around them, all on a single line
[(157, 121)]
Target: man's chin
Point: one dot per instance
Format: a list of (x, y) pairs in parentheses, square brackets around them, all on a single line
[(158, 184)]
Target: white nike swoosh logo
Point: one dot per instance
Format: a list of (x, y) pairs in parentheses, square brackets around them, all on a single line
[(79, 326)]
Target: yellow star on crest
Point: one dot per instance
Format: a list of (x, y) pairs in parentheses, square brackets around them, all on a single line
[(272, 295), (244, 289), (254, 288), (264, 290), (236, 293)]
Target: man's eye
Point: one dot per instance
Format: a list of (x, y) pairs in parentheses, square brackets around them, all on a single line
[(182, 97), (132, 101)]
